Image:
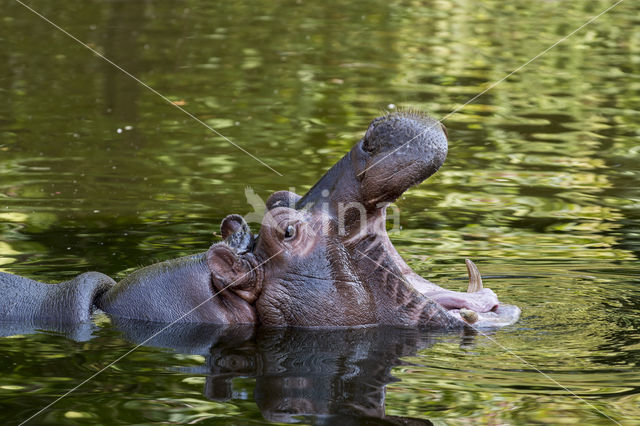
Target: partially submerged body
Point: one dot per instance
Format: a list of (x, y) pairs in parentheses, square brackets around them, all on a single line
[(183, 289)]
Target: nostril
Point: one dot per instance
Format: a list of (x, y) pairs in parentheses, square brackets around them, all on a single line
[(371, 136), (371, 141), (444, 129), (366, 146)]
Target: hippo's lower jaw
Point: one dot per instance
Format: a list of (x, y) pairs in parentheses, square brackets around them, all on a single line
[(478, 306)]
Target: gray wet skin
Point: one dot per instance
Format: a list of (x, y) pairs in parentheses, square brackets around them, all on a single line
[(161, 292), (166, 291)]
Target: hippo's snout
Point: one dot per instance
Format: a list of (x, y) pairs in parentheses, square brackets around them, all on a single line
[(400, 150), (411, 131)]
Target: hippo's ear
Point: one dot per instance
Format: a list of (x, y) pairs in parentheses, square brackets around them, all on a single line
[(232, 224), (230, 270), (282, 199), (224, 264)]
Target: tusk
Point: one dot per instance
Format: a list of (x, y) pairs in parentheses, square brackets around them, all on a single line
[(475, 280), (468, 315)]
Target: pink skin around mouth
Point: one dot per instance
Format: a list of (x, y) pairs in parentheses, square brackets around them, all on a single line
[(477, 298), (484, 300)]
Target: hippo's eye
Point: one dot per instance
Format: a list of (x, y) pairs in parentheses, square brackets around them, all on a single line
[(290, 232)]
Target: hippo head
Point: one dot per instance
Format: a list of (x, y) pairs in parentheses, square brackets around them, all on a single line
[(325, 259)]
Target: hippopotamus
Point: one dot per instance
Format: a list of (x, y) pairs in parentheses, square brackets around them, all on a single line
[(321, 260)]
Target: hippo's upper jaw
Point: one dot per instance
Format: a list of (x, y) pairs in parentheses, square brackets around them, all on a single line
[(398, 151)]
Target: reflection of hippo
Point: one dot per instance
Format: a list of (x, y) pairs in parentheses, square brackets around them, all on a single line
[(315, 376), (321, 260), (338, 377)]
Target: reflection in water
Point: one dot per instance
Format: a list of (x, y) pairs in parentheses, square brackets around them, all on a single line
[(334, 376), (80, 332)]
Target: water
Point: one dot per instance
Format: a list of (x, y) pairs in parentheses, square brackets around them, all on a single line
[(540, 188)]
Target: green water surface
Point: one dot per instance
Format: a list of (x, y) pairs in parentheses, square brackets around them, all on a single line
[(541, 188)]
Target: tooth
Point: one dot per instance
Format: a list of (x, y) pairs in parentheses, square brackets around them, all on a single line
[(468, 315), (475, 280)]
